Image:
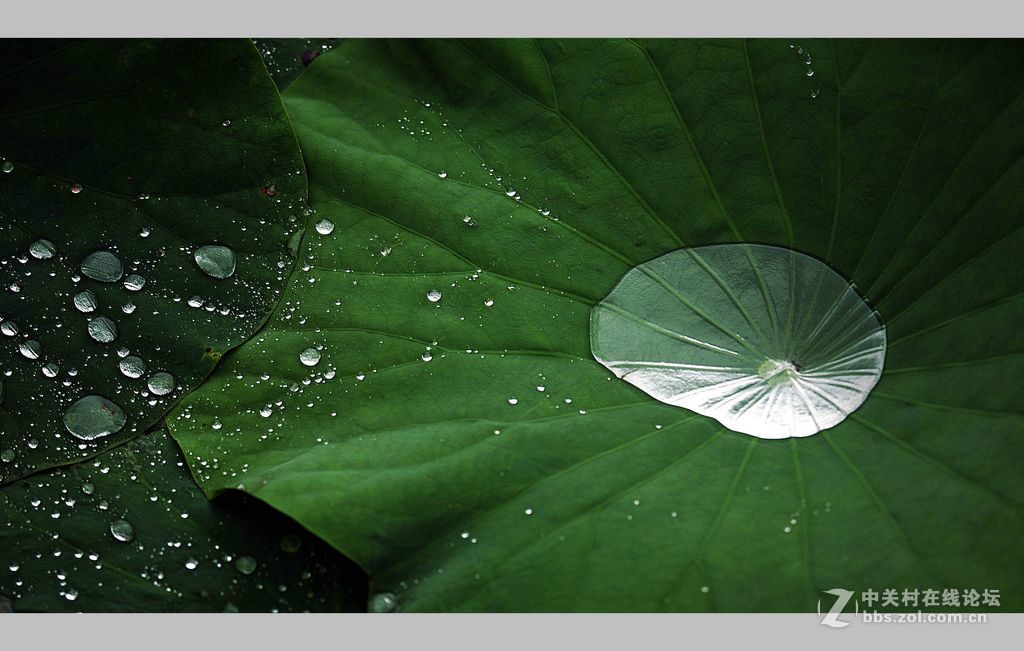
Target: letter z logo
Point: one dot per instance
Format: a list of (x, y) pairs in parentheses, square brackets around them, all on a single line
[(831, 618)]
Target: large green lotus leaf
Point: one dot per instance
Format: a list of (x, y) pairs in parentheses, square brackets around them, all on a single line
[(175, 551), (147, 150), (457, 438)]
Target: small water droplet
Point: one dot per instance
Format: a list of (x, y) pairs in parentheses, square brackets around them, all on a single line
[(122, 530), (489, 302), (442, 174), (42, 249), (8, 456), (76, 188), (245, 564), (310, 357), (102, 329), (71, 594), (93, 417), (50, 369), (383, 602), (88, 488), (291, 543), (434, 295), (8, 167), (161, 383), (191, 564), (513, 401), (810, 73), (9, 328), (216, 261), (103, 266), (325, 227), (426, 356)]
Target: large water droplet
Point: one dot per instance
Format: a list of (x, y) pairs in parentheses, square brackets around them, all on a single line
[(85, 301), (767, 341), (134, 282), (103, 266), (122, 530), (42, 249), (310, 357), (102, 329), (7, 167), (93, 417), (161, 383), (9, 328), (434, 295), (216, 261), (383, 602), (245, 564), (30, 349), (132, 367), (325, 227)]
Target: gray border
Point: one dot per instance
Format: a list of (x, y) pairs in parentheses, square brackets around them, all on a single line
[(478, 18)]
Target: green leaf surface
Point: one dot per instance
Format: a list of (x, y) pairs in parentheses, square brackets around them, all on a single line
[(178, 552), (146, 150), (485, 195), (286, 58)]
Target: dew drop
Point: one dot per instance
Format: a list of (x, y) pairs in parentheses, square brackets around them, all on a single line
[(9, 328), (291, 543), (310, 357), (426, 356), (442, 174), (102, 329), (7, 167), (76, 188), (42, 249), (122, 530), (134, 282), (30, 349), (191, 564), (216, 261), (103, 266), (383, 602), (132, 367), (325, 227), (50, 369), (8, 456), (245, 564), (93, 417), (161, 383), (434, 295), (85, 301)]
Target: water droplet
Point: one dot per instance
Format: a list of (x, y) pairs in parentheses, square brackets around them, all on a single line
[(132, 367), (9, 328), (93, 417), (50, 369), (216, 261), (291, 543), (42, 249), (245, 564), (528, 511), (704, 589), (442, 174), (810, 73), (30, 349), (128, 308), (191, 564), (145, 231), (85, 301), (88, 488), (196, 301), (7, 167), (103, 266), (383, 602), (76, 188), (226, 123), (161, 383), (325, 227), (134, 282), (513, 401), (102, 329), (426, 356), (121, 529), (8, 456), (489, 302), (770, 342), (71, 594), (310, 357), (434, 295)]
